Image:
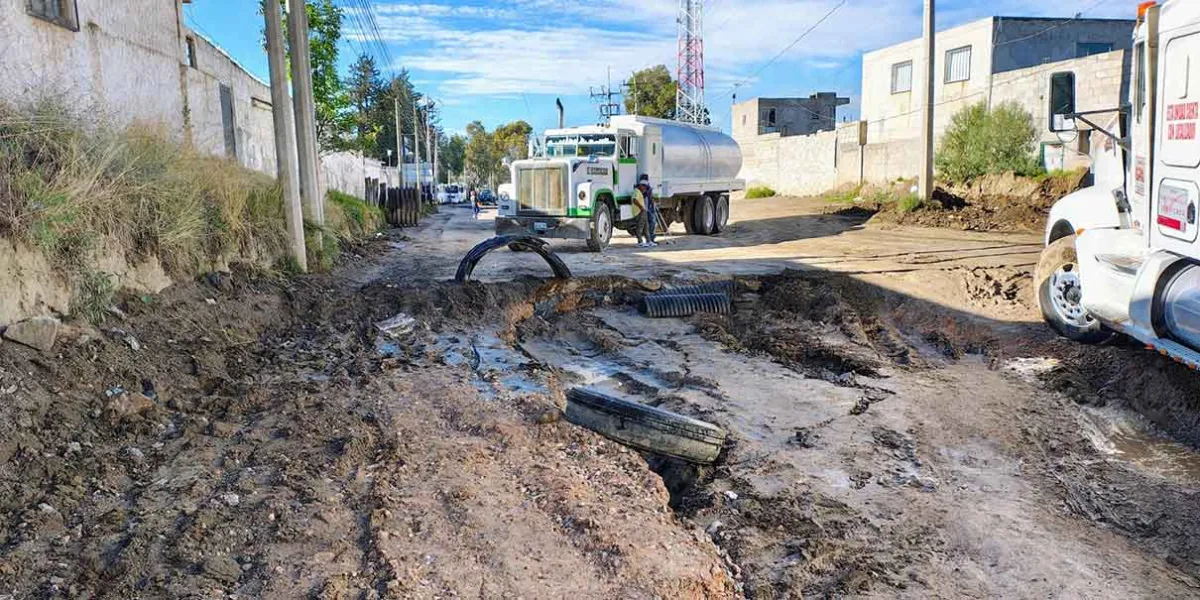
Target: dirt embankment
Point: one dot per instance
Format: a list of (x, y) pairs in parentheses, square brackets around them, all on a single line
[(1006, 203), (251, 437)]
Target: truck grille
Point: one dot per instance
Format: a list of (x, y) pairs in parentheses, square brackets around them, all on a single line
[(542, 190)]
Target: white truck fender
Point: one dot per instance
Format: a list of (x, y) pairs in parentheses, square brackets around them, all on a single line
[(1088, 208)]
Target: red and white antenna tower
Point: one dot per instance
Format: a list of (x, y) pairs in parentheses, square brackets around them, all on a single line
[(689, 99)]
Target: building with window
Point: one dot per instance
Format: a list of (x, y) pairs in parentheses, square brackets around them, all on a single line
[(787, 116), (970, 63)]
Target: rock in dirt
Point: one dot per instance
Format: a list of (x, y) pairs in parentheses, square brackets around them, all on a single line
[(223, 569), (397, 326), (38, 332), (125, 404)]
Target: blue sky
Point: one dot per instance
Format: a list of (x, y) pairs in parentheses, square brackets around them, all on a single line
[(500, 61)]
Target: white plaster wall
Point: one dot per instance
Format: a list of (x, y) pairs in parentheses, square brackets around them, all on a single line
[(123, 57), (254, 125)]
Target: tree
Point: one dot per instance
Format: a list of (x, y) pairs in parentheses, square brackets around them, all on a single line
[(365, 90), (980, 141), (334, 120), (482, 156), (452, 152), (512, 140), (651, 93)]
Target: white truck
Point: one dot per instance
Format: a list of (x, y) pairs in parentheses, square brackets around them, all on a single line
[(1123, 255), (581, 184)]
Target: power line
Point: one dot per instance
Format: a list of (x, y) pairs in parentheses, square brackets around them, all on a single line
[(789, 46)]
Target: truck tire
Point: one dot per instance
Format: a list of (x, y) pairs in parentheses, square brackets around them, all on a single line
[(687, 214), (722, 217), (1059, 290), (645, 427), (705, 215), (602, 228)]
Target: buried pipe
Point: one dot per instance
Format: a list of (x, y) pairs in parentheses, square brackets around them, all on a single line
[(658, 307), (725, 286), (517, 243)]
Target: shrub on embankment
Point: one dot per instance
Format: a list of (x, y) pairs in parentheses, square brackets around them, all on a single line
[(81, 193)]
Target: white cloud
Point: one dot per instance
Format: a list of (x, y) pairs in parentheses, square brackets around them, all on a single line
[(555, 47)]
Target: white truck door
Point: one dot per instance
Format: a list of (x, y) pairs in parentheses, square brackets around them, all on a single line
[(627, 165), (1175, 196), (652, 158)]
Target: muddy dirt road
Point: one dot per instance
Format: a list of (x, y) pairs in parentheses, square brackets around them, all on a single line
[(900, 426)]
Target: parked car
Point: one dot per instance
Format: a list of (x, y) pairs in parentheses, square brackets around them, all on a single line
[(487, 198)]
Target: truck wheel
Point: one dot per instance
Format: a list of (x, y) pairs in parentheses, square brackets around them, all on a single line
[(602, 228), (688, 215), (705, 215), (1059, 293), (722, 217)]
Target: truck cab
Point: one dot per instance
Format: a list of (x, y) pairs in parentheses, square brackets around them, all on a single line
[(1123, 255)]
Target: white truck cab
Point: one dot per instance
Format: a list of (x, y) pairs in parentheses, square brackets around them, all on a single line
[(1123, 254)]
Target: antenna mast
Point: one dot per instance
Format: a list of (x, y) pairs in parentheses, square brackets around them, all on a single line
[(689, 99), (604, 100)]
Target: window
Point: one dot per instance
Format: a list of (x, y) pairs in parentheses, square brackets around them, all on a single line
[(958, 64), (767, 117), (1083, 49), (59, 12), (191, 51), (627, 147), (902, 77)]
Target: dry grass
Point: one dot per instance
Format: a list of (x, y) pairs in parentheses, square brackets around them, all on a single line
[(68, 186)]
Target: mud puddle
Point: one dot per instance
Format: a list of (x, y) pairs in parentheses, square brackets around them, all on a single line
[(1128, 438)]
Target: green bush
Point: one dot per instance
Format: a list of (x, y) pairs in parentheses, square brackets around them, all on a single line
[(979, 142), (350, 217), (760, 191), (909, 204), (847, 195)]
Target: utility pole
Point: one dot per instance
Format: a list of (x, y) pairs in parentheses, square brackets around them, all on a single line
[(417, 145), (306, 112), (285, 134), (926, 183), (399, 140), (429, 149)]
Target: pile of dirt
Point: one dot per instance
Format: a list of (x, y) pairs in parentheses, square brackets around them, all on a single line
[(991, 203), (259, 438)]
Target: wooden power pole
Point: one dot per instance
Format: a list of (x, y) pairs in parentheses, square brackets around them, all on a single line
[(285, 135), (926, 183)]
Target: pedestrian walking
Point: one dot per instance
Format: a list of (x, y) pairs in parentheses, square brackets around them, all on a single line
[(475, 208)]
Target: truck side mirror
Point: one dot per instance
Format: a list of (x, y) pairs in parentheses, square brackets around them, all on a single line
[(1062, 102)]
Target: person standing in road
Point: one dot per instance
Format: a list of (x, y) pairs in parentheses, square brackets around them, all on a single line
[(475, 205), (649, 209)]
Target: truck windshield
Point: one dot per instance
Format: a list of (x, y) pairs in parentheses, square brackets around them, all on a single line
[(581, 145)]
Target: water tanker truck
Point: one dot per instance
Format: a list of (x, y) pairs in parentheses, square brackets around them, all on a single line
[(1123, 255), (581, 184)]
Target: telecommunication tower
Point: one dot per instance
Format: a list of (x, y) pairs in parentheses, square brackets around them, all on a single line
[(689, 99)]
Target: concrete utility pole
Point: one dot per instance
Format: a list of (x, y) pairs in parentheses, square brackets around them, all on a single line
[(306, 111), (436, 167), (399, 141), (417, 146), (285, 134), (429, 147), (926, 183)]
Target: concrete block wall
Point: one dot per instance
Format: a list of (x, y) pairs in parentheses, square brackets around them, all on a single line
[(794, 165), (1101, 82), (254, 125)]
